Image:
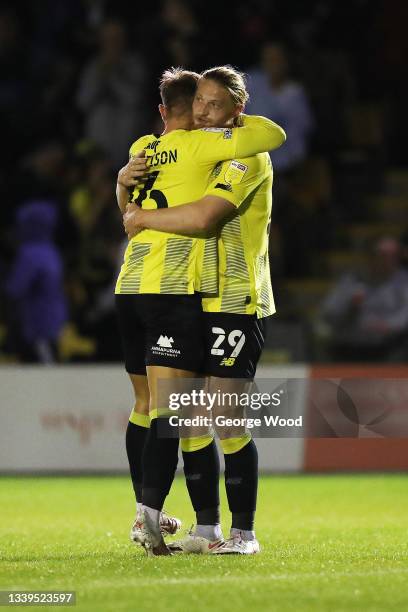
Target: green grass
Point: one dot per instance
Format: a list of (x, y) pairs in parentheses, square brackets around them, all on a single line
[(329, 543)]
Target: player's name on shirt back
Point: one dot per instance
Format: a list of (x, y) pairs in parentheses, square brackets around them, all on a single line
[(159, 157)]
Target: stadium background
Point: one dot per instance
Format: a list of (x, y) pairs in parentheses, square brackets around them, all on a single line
[(345, 188)]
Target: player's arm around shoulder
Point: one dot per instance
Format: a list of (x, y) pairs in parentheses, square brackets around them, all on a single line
[(257, 135), (197, 218), (231, 183), (267, 134)]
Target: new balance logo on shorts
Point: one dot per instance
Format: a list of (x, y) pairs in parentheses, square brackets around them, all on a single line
[(164, 346), (228, 361)]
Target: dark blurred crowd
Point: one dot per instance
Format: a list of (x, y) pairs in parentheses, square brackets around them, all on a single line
[(79, 84)]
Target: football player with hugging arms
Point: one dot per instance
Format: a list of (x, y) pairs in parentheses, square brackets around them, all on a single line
[(166, 266)]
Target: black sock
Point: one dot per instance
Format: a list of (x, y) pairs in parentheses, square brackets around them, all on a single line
[(160, 459), (202, 472), (241, 484), (135, 442)]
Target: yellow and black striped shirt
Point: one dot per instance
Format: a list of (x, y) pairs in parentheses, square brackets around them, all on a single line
[(243, 260), (180, 165)]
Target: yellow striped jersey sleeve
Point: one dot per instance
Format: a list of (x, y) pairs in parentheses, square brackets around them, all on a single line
[(244, 273)]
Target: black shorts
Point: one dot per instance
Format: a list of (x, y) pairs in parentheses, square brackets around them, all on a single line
[(162, 330), (233, 344)]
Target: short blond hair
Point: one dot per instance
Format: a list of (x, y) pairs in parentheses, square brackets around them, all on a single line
[(177, 88)]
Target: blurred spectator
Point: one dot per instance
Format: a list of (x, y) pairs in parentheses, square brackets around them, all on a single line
[(42, 174), (178, 38), (111, 94), (368, 314), (178, 16), (306, 204), (275, 95), (93, 194), (34, 287), (93, 208), (93, 263)]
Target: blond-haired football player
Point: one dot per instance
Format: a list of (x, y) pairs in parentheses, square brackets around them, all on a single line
[(239, 193), (160, 313)]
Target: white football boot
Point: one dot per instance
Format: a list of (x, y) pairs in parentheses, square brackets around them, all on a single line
[(153, 541), (169, 525), (196, 545), (235, 545)]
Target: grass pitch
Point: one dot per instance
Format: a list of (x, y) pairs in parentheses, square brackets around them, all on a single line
[(329, 543)]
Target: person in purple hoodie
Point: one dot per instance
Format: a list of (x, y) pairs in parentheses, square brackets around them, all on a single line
[(34, 287)]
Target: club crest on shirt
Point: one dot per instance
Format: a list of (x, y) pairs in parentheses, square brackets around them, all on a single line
[(235, 173)]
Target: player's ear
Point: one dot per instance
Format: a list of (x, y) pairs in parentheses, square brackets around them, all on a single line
[(238, 110), (163, 112)]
